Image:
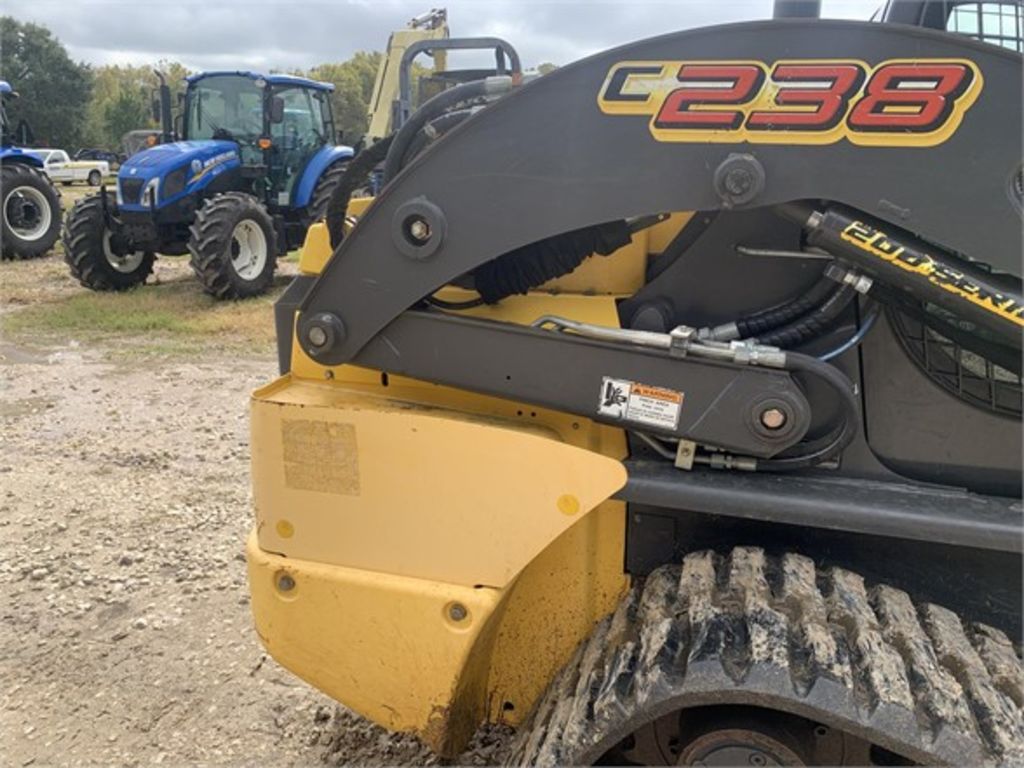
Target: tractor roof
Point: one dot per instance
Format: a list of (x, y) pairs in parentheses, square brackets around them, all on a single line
[(300, 82)]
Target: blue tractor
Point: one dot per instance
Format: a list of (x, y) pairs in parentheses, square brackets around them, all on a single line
[(255, 166), (31, 210)]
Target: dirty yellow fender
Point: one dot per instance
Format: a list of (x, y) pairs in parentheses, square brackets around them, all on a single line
[(426, 556)]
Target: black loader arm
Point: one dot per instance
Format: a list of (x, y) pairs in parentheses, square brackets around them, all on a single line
[(614, 136)]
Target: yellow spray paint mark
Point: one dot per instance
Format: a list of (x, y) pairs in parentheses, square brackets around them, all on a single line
[(568, 504), (285, 529)]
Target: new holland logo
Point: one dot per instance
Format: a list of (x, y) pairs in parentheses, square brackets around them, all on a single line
[(900, 102)]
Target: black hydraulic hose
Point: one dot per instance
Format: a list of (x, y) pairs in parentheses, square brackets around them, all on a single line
[(532, 265), (355, 176), (435, 107), (431, 132), (768, 319), (806, 328), (829, 446)]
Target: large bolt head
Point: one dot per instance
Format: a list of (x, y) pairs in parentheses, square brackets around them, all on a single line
[(419, 230), (321, 333), (773, 418), (739, 179)]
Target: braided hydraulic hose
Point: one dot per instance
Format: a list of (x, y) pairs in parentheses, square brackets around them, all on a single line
[(531, 265), (435, 107), (761, 322), (806, 328), (355, 176)]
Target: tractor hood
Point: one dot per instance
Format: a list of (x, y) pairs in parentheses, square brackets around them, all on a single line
[(163, 158), (166, 173)]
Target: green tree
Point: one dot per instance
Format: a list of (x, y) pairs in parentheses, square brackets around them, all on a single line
[(54, 89), (128, 111), (546, 68), (353, 87), (122, 94)]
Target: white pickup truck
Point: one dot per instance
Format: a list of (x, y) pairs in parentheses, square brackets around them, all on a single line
[(59, 167)]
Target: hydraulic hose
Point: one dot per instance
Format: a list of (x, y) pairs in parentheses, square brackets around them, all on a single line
[(829, 446), (811, 325), (866, 324), (434, 108), (355, 176), (531, 265), (768, 319), (432, 131)]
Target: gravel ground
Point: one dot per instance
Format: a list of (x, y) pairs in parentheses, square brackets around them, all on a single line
[(126, 636)]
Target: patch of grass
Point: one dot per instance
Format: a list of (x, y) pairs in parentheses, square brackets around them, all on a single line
[(168, 319)]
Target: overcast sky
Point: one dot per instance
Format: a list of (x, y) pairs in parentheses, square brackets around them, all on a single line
[(265, 34)]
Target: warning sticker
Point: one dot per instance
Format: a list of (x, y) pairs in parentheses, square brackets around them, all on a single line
[(631, 401)]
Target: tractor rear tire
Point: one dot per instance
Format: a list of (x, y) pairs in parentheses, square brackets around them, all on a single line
[(324, 189), (91, 252), (233, 246), (31, 212)]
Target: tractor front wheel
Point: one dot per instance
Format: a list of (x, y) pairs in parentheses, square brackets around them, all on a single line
[(99, 259), (31, 212), (233, 246)]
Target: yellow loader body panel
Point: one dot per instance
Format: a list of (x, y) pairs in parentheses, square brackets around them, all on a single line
[(427, 556)]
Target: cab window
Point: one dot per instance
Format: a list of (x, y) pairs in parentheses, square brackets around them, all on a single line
[(996, 23), (225, 107), (303, 120)]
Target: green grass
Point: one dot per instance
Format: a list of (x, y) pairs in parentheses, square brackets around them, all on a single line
[(168, 319)]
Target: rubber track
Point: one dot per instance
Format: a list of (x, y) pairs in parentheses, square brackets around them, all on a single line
[(749, 629)]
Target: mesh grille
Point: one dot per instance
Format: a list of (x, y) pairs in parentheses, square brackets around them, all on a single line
[(131, 189), (963, 373)]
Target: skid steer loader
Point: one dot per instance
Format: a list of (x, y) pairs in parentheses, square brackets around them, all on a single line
[(667, 407)]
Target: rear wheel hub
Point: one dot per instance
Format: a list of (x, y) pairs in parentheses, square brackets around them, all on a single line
[(27, 212)]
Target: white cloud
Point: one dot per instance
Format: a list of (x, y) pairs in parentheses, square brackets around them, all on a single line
[(300, 34)]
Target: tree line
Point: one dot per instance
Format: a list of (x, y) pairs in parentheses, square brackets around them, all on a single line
[(70, 104)]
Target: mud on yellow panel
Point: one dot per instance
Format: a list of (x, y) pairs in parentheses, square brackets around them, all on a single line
[(433, 658), (438, 565)]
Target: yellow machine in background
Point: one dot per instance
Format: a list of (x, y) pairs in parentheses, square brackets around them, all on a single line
[(432, 25)]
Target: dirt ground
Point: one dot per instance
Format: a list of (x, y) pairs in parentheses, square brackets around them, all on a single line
[(126, 636)]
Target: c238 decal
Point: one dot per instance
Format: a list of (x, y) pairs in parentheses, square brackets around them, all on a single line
[(899, 102)]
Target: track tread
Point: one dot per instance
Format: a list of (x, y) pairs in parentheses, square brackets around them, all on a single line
[(747, 628)]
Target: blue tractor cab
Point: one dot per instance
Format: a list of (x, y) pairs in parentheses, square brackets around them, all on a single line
[(254, 167), (30, 209)]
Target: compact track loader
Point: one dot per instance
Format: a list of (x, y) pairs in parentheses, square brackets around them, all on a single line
[(667, 407)]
